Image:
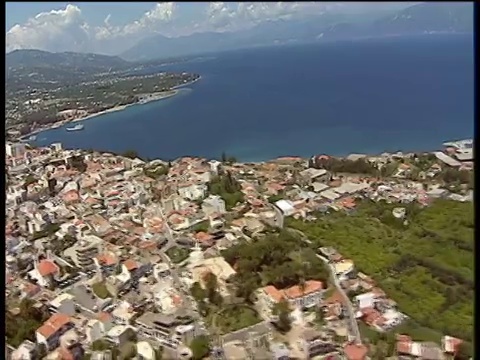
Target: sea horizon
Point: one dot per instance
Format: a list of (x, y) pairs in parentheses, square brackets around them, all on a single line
[(368, 97)]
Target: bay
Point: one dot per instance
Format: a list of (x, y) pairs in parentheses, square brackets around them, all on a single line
[(368, 96)]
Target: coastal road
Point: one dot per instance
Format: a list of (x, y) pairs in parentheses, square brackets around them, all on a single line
[(353, 325)]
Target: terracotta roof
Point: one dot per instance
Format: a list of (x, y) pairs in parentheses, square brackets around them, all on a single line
[(297, 291), (130, 264), (404, 347), (54, 324), (355, 352), (47, 267), (274, 293), (104, 316), (107, 259)]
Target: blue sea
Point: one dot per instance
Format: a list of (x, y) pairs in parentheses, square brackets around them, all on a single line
[(367, 96)]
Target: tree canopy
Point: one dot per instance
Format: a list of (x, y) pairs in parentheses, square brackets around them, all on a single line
[(278, 259), (426, 266), (200, 347)]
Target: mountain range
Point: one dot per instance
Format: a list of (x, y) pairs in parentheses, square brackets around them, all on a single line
[(434, 17)]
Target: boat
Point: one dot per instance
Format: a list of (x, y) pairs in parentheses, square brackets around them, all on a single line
[(32, 138), (75, 128)]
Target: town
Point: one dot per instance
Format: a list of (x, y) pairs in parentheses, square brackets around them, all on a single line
[(113, 257)]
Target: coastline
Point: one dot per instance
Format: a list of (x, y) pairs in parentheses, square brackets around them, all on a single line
[(150, 98)]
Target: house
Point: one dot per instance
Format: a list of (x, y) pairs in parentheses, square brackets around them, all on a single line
[(213, 204), (366, 300), (123, 313), (120, 334), (450, 345), (63, 304), (160, 326), (311, 175), (26, 351), (98, 328), (306, 296), (315, 345), (51, 331), (193, 191), (279, 351), (45, 272), (145, 350), (107, 263), (355, 352)]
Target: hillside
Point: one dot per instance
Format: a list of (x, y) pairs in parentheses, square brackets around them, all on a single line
[(43, 59), (427, 267), (36, 68), (418, 19)]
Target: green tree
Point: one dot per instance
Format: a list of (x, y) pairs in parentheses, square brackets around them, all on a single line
[(284, 322), (131, 154), (200, 347), (198, 292)]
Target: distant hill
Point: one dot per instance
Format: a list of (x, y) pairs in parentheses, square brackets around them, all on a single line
[(44, 59), (26, 68), (417, 19)]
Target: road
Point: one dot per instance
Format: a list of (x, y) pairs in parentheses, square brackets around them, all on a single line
[(179, 285), (353, 325)]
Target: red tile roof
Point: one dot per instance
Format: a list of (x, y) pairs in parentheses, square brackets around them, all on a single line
[(47, 267), (355, 352), (54, 324), (130, 264)]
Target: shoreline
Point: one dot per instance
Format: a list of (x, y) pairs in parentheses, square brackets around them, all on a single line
[(151, 98)]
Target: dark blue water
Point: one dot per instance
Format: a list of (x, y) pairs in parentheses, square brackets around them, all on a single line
[(368, 96)]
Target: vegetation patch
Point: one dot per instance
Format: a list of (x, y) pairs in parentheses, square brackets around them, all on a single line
[(100, 290), (178, 254), (279, 259), (425, 266)]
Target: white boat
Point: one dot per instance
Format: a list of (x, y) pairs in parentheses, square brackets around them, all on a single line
[(75, 128)]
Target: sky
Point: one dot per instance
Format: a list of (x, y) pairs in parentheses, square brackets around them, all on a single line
[(113, 27)]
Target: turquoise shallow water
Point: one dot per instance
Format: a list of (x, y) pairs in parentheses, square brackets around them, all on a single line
[(367, 96)]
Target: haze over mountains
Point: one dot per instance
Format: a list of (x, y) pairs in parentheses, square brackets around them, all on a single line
[(422, 18), (417, 19)]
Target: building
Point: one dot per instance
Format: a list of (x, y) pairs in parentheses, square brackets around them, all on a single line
[(355, 352), (213, 204), (163, 327), (50, 332), (15, 150), (63, 304), (120, 334), (315, 345), (306, 296), (26, 351), (45, 272), (447, 159), (84, 251)]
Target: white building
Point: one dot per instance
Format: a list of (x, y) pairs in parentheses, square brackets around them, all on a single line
[(64, 304), (213, 204), (366, 300), (15, 150)]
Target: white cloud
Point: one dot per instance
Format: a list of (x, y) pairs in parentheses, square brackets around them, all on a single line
[(67, 30), (56, 30)]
